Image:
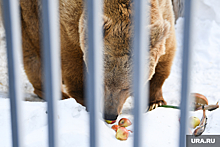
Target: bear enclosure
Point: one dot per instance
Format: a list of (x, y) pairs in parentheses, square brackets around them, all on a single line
[(51, 52)]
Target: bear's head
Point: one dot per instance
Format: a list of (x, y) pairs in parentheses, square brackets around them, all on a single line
[(118, 58)]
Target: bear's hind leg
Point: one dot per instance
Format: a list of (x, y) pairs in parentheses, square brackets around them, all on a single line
[(32, 66)]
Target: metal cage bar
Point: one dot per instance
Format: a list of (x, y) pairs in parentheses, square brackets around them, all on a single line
[(185, 88), (13, 39), (140, 75), (95, 65), (51, 58)]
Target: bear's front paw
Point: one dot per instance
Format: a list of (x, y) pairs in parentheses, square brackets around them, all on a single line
[(156, 104)]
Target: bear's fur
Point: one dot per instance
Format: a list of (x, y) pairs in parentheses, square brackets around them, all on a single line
[(117, 49)]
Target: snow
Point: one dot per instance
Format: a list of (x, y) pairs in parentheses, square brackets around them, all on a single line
[(161, 125)]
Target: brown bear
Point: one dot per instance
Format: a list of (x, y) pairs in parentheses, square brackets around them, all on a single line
[(117, 49)]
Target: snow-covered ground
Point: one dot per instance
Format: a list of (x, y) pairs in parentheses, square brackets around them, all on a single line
[(162, 124)]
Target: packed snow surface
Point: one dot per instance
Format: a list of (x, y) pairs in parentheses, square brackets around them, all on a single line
[(161, 126)]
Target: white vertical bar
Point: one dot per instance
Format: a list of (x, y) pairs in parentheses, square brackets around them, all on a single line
[(185, 76), (51, 58), (140, 47), (95, 65), (13, 38)]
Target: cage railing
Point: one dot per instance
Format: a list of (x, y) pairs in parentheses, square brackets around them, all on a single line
[(51, 54), (13, 42), (185, 83), (140, 75), (51, 61), (95, 67)]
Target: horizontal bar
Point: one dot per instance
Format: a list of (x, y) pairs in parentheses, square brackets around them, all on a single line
[(51, 58), (140, 50), (12, 23), (185, 87), (95, 65)]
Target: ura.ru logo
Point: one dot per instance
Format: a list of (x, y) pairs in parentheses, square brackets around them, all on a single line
[(201, 140)]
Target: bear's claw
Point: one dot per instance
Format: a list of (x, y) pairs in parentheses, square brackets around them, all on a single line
[(155, 105)]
